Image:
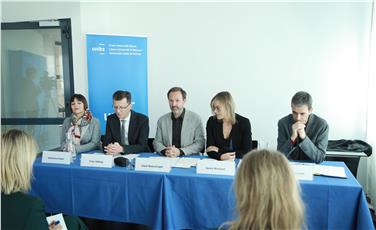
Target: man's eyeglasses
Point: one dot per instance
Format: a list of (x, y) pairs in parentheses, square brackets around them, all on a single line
[(121, 108)]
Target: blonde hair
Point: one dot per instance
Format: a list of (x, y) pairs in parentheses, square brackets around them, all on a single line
[(18, 152), (268, 196), (225, 99)]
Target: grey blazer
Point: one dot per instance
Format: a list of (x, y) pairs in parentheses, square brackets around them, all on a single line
[(90, 139), (192, 133), (313, 147)]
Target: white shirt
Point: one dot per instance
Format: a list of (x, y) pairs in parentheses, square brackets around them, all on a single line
[(126, 128)]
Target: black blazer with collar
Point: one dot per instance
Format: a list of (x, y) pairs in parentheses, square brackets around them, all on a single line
[(138, 133)]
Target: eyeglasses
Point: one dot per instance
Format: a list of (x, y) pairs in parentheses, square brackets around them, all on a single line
[(121, 108)]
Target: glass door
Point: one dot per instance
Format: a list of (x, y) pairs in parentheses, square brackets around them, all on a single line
[(36, 78)]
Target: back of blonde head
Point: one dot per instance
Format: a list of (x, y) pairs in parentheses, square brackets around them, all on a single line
[(18, 152), (268, 196)]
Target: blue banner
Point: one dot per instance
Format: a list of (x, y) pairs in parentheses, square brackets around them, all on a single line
[(116, 63)]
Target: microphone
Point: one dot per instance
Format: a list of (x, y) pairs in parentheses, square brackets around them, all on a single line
[(121, 161)]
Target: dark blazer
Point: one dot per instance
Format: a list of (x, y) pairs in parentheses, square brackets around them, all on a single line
[(23, 211), (239, 141), (138, 133), (312, 148)]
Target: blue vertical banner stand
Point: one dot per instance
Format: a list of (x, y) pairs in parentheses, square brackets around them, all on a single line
[(116, 62)]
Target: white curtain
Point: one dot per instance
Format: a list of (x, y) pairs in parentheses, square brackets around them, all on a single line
[(371, 116)]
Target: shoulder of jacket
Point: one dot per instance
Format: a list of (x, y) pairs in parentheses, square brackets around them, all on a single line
[(139, 115)]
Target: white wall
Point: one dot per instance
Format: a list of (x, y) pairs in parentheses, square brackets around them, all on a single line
[(261, 52)]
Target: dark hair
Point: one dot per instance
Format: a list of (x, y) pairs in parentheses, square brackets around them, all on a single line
[(80, 98), (120, 94), (302, 98), (177, 89)]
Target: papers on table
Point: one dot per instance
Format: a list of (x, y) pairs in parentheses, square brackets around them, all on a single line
[(179, 162), (302, 171), (57, 217), (333, 171), (305, 171), (185, 162)]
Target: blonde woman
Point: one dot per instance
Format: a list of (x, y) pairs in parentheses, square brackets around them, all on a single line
[(267, 193), (228, 134), (18, 209)]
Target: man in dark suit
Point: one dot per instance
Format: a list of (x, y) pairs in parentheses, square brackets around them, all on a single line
[(126, 131)]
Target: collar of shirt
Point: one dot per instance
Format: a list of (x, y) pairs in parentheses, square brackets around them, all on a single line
[(180, 117), (128, 118)]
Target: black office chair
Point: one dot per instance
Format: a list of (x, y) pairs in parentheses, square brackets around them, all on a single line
[(150, 144), (254, 145)]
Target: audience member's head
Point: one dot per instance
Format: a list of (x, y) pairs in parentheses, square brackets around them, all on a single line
[(268, 196), (18, 152), (223, 106)]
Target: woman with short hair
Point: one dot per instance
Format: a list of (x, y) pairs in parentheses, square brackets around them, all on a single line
[(81, 127)]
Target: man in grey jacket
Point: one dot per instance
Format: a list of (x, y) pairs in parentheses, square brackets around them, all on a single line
[(180, 132), (303, 135)]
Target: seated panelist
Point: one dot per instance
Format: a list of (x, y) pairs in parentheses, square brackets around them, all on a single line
[(228, 134), (126, 131), (81, 127), (302, 135), (179, 132), (19, 210)]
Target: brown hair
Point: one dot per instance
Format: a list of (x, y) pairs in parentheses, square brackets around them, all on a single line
[(120, 94), (177, 89), (81, 98)]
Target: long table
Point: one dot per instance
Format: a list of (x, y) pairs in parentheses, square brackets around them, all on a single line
[(183, 199)]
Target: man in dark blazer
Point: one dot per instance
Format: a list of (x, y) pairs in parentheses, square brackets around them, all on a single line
[(126, 131), (303, 135)]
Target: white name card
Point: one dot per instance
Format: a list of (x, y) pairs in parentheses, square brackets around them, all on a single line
[(302, 171), (216, 167), (97, 160), (153, 164), (56, 157)]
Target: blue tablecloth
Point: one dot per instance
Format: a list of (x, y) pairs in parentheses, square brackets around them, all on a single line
[(183, 199)]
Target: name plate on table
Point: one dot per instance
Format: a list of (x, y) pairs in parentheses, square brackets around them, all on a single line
[(97, 160), (216, 167), (303, 171), (153, 164), (56, 157)]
